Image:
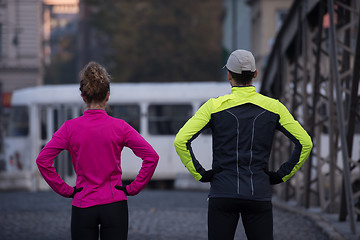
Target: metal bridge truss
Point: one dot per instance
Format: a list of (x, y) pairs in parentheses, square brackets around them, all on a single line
[(314, 70)]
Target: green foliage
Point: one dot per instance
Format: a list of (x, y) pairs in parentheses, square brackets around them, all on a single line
[(159, 40)]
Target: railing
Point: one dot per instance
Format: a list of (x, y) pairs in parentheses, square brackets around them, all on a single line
[(314, 69)]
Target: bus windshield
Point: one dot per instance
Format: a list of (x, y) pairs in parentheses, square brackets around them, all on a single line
[(18, 122)]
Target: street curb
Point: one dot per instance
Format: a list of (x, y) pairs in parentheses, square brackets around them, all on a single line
[(316, 219)]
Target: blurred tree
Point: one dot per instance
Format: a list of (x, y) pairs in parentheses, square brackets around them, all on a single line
[(63, 62), (159, 40)]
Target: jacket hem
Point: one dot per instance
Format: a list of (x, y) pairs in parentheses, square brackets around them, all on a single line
[(231, 195)]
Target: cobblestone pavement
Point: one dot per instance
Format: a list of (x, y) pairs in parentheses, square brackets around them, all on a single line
[(154, 215)]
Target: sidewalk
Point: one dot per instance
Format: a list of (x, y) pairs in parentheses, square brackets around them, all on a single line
[(153, 215), (328, 223)]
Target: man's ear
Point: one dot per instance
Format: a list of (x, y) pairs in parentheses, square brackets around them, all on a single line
[(229, 75), (255, 75), (107, 96)]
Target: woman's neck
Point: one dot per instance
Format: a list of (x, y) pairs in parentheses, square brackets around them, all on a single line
[(96, 106)]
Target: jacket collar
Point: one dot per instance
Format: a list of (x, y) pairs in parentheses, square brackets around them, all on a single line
[(94, 112), (243, 89)]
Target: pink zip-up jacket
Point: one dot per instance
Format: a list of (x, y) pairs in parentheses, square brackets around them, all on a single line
[(95, 141)]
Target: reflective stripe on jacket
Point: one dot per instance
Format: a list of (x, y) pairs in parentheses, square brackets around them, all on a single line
[(243, 125)]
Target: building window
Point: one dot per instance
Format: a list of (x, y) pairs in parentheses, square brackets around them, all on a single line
[(43, 123), (19, 122), (167, 119)]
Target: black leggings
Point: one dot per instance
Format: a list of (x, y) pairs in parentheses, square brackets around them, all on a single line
[(223, 217), (110, 219)]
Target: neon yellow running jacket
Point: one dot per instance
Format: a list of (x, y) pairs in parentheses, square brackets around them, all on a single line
[(243, 125)]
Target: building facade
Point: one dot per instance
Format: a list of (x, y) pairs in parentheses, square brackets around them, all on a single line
[(20, 44), (266, 19), (236, 26)]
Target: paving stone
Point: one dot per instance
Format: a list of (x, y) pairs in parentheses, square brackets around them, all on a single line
[(153, 215)]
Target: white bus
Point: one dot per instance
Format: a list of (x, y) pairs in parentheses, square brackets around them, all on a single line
[(155, 110)]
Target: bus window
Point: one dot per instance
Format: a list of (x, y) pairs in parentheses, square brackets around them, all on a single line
[(55, 120), (129, 113), (69, 113), (19, 121), (168, 119), (43, 123), (70, 167)]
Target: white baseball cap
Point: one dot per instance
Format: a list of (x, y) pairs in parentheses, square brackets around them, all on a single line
[(241, 60)]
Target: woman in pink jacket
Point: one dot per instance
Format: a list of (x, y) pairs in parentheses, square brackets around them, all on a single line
[(95, 141)]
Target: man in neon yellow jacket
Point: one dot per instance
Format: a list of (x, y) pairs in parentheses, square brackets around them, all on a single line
[(243, 125)]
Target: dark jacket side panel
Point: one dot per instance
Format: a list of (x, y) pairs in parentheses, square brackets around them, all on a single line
[(242, 139)]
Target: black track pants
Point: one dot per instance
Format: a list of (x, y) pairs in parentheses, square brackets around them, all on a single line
[(224, 213), (111, 220)]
